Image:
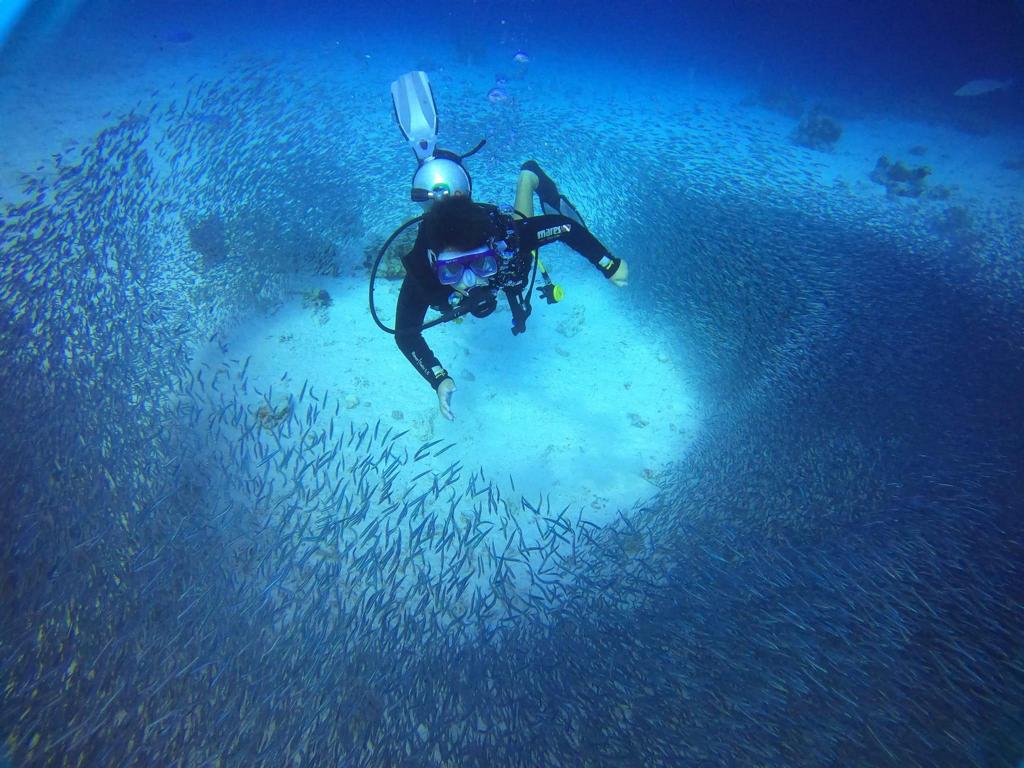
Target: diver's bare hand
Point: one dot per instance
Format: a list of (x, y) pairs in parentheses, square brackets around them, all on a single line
[(621, 275), (444, 398)]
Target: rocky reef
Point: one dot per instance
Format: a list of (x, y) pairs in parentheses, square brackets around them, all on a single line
[(316, 298), (391, 267), (272, 416), (817, 131), (319, 300), (902, 180)]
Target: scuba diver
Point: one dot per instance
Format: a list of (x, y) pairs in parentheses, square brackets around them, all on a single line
[(466, 252)]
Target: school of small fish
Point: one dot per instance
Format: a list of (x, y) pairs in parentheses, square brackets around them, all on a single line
[(204, 570)]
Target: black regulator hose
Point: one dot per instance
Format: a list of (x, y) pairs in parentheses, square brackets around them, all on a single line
[(474, 150), (444, 318)]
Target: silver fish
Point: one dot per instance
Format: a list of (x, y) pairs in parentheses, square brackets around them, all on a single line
[(982, 87)]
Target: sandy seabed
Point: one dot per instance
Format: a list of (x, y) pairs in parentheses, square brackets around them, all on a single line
[(588, 407)]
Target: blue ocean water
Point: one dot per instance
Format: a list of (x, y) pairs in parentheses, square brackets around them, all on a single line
[(212, 557)]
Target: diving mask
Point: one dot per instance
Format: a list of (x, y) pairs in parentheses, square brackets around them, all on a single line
[(465, 266)]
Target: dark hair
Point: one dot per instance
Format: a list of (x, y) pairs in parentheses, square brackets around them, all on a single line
[(457, 223)]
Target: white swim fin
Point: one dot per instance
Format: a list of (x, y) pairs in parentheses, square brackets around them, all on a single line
[(416, 112)]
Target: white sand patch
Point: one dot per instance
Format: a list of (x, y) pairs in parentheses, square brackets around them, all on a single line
[(584, 406)]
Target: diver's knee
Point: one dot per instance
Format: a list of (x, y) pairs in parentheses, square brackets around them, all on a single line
[(532, 167), (528, 180)]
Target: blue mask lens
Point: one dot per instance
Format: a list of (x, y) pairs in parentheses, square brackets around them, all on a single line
[(450, 272), (451, 268), (486, 265)]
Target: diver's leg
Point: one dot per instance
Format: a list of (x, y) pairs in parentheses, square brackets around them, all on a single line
[(551, 201), (545, 188), (525, 187)]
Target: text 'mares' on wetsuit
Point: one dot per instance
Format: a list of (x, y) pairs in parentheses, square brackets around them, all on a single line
[(422, 288)]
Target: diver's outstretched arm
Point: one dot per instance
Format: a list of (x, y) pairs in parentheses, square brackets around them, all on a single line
[(409, 315)]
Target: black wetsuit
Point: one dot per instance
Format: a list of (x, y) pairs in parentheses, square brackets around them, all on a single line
[(422, 289)]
